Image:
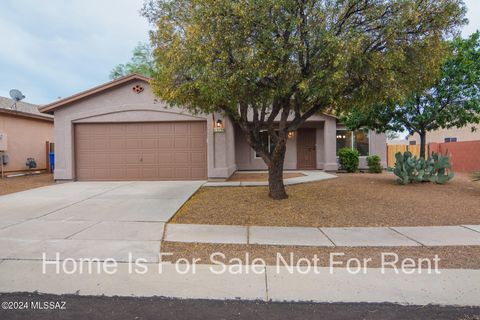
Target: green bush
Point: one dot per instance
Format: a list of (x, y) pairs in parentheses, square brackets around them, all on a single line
[(410, 169), (374, 165), (348, 159), (476, 176)]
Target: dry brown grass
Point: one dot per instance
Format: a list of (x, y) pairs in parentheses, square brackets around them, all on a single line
[(260, 176), (16, 184), (350, 200), (461, 257)]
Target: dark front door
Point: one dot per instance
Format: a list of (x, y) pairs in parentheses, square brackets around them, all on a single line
[(306, 153)]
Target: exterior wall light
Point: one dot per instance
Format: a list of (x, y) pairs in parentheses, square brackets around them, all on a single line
[(219, 126), (290, 134)]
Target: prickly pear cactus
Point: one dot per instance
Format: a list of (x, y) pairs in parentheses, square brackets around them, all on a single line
[(440, 168), (404, 167), (409, 169)]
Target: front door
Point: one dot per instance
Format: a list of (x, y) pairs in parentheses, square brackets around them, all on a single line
[(306, 153)]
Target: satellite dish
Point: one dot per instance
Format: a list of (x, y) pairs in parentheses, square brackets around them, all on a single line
[(16, 96)]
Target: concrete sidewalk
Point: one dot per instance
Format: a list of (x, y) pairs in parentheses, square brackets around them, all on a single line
[(467, 235), (308, 176), (450, 287)]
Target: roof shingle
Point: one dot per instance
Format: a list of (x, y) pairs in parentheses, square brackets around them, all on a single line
[(24, 108)]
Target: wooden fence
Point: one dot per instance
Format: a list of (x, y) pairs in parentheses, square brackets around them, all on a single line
[(394, 148), (464, 156)]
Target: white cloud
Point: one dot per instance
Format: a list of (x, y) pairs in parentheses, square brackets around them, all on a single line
[(55, 48), (66, 46), (473, 16)]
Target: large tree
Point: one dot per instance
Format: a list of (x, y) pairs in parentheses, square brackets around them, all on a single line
[(271, 64), (452, 100), (142, 62)]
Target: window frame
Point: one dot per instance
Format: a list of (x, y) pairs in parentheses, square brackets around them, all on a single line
[(352, 139), (269, 144)]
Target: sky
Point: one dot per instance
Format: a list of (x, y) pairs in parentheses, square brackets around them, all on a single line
[(56, 48)]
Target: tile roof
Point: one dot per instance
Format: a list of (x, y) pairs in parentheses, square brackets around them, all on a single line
[(23, 108)]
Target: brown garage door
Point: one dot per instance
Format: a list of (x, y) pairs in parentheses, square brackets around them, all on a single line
[(141, 151)]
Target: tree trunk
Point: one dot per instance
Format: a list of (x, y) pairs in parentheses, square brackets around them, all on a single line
[(275, 172), (423, 136)]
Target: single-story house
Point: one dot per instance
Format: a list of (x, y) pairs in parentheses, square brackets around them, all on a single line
[(121, 131), (24, 132)]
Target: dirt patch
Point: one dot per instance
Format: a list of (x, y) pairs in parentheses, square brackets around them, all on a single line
[(460, 257), (260, 176), (16, 184), (351, 200)]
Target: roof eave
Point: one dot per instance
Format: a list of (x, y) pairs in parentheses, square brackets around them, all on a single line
[(49, 108), (26, 115)]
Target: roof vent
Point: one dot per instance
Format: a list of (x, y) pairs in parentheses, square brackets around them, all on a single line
[(137, 89)]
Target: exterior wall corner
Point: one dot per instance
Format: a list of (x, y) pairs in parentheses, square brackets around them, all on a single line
[(221, 148)]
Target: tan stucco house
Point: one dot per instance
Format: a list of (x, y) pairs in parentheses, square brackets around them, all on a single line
[(448, 135), (121, 131), (24, 132)]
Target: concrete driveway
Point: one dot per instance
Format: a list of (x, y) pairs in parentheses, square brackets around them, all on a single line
[(90, 219)]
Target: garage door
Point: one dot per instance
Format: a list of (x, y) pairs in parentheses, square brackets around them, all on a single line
[(141, 151)]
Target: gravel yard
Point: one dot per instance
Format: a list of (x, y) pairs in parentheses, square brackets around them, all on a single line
[(351, 200), (459, 257), (16, 184)]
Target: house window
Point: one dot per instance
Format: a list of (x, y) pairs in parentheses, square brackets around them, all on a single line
[(344, 139), (358, 140), (266, 141), (450, 139), (412, 143)]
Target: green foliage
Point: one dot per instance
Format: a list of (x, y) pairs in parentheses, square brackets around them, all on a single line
[(142, 62), (348, 159), (270, 65), (407, 168), (374, 165), (438, 168), (215, 54), (476, 176), (451, 100), (410, 169)]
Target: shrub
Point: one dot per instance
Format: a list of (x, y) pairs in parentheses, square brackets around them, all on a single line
[(438, 168), (476, 176), (410, 169), (348, 159), (374, 165)]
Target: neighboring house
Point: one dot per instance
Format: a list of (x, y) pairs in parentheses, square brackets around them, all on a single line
[(27, 131), (120, 131), (397, 142), (448, 135)]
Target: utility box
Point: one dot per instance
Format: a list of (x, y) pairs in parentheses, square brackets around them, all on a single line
[(3, 141)]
